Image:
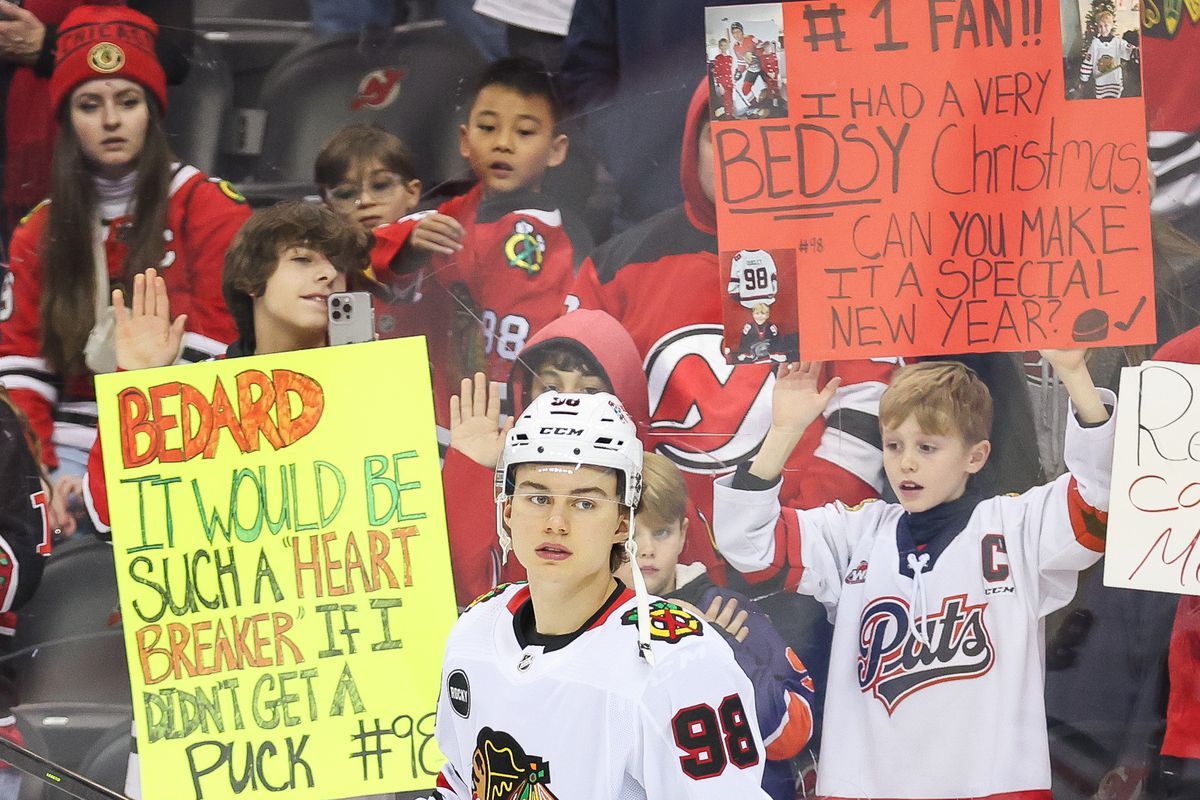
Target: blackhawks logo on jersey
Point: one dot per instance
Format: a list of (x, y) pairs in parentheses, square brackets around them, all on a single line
[(525, 248), (501, 770), (668, 621), (489, 594)]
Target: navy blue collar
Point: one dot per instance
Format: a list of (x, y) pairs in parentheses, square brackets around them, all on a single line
[(931, 532)]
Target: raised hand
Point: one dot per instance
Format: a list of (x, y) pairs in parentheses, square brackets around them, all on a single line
[(438, 233), (145, 335), (797, 400), (475, 429)]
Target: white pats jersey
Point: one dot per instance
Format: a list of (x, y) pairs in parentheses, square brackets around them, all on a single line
[(586, 717), (961, 715), (753, 278)]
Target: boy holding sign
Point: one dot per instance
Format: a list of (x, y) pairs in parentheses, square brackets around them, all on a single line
[(547, 692), (939, 601)]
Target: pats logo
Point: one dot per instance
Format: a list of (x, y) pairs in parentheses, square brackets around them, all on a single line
[(500, 769), (706, 415), (378, 89), (894, 665), (668, 621), (525, 248), (858, 574)]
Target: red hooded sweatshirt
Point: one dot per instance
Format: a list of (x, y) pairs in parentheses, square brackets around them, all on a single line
[(662, 281)]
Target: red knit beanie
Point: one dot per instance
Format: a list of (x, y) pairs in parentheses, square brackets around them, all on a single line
[(106, 42)]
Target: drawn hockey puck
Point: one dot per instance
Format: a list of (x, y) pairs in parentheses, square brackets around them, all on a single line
[(1091, 326)]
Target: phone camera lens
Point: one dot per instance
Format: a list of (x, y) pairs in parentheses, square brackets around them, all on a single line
[(348, 309), (336, 315)]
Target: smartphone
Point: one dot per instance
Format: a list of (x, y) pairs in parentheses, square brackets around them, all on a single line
[(351, 318)]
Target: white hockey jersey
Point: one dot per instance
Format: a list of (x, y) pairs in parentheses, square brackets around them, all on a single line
[(590, 718), (963, 715), (753, 277)]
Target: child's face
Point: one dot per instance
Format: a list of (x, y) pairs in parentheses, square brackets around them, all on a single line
[(761, 315), (510, 141), (564, 521), (927, 469), (1104, 23), (297, 293), (372, 195), (723, 46), (567, 381), (659, 544)]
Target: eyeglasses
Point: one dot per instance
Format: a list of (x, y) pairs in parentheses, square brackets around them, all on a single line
[(382, 186)]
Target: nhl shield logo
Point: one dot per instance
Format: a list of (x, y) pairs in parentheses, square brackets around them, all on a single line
[(525, 249), (501, 770), (106, 58)]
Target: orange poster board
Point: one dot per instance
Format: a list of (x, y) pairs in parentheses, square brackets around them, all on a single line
[(953, 175)]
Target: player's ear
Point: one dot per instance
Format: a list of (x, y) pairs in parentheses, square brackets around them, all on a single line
[(683, 526), (558, 150), (507, 513), (622, 531)]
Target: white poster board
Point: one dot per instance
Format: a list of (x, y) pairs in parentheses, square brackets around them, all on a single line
[(1154, 514)]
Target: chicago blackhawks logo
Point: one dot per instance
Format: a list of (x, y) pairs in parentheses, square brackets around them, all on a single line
[(500, 770), (378, 89), (525, 248), (106, 57), (668, 621), (706, 415), (893, 664), (488, 595)]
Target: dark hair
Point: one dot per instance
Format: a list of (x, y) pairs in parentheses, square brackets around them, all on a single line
[(357, 144), (254, 255), (67, 306), (525, 76), (737, 26), (564, 355)]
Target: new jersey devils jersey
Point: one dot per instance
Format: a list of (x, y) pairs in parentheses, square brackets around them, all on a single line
[(590, 718), (753, 278), (935, 686)]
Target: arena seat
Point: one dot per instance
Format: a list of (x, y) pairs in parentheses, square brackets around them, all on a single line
[(408, 81), (197, 108)]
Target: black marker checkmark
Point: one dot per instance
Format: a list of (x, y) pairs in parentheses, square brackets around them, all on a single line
[(1127, 324)]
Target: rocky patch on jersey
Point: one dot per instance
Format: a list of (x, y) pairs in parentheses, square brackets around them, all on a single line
[(525, 248), (501, 770), (668, 622), (893, 664)]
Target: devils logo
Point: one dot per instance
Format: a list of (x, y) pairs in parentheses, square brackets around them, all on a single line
[(893, 664), (500, 770)]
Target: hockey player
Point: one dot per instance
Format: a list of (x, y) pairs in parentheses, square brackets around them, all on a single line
[(119, 204), (722, 75), (572, 685), (939, 601), (505, 241), (759, 337)]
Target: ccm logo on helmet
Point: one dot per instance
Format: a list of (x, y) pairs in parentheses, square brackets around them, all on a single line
[(551, 431)]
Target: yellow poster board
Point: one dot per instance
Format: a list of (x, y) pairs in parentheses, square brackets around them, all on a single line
[(282, 559)]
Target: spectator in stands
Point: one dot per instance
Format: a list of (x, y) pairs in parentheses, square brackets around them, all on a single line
[(28, 42), (278, 275), (24, 544), (783, 691), (508, 243), (533, 28), (629, 68), (134, 209), (367, 176)]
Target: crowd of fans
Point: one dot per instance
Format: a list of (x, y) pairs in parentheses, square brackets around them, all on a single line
[(121, 257)]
